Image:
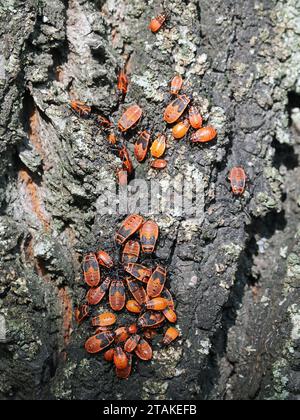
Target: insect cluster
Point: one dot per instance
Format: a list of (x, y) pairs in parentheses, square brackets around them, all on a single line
[(150, 302), (181, 114)]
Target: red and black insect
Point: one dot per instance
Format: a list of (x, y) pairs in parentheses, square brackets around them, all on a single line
[(117, 297), (133, 306), (157, 282), (120, 358), (126, 160), (132, 343), (128, 228), (238, 179), (103, 122), (81, 313), (144, 350), (149, 235), (130, 118), (112, 138), (137, 290), (131, 252), (141, 146), (170, 335), (105, 259), (159, 164), (170, 314), (150, 319), (81, 109), (122, 334), (104, 320), (138, 271), (176, 85), (195, 118), (91, 270), (123, 82), (99, 342), (176, 108), (156, 304), (125, 373), (204, 135), (157, 22), (152, 308), (96, 294), (167, 295)]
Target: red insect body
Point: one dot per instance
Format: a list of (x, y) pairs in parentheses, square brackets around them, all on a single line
[(131, 252), (195, 118), (149, 234), (126, 160), (81, 313), (120, 358), (122, 333), (204, 135), (238, 179), (138, 271), (159, 164), (95, 295), (117, 297), (171, 335), (130, 118), (137, 290), (123, 82), (91, 270), (99, 342), (128, 228), (125, 373), (157, 22), (144, 350), (176, 85), (157, 282), (131, 343), (105, 259), (81, 109), (176, 108), (150, 319), (141, 146), (104, 320), (167, 295)]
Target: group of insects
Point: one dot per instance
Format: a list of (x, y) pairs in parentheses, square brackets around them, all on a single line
[(122, 276), (180, 114), (150, 302)]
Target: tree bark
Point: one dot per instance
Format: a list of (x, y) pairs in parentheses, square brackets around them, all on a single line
[(235, 277)]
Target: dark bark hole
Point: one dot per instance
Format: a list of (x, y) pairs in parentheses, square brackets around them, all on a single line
[(293, 102), (285, 155), (59, 57), (99, 54), (267, 226), (28, 110)]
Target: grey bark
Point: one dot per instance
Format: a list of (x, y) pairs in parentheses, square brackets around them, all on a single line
[(240, 314)]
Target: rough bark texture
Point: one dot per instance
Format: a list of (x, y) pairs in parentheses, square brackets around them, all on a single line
[(235, 277)]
